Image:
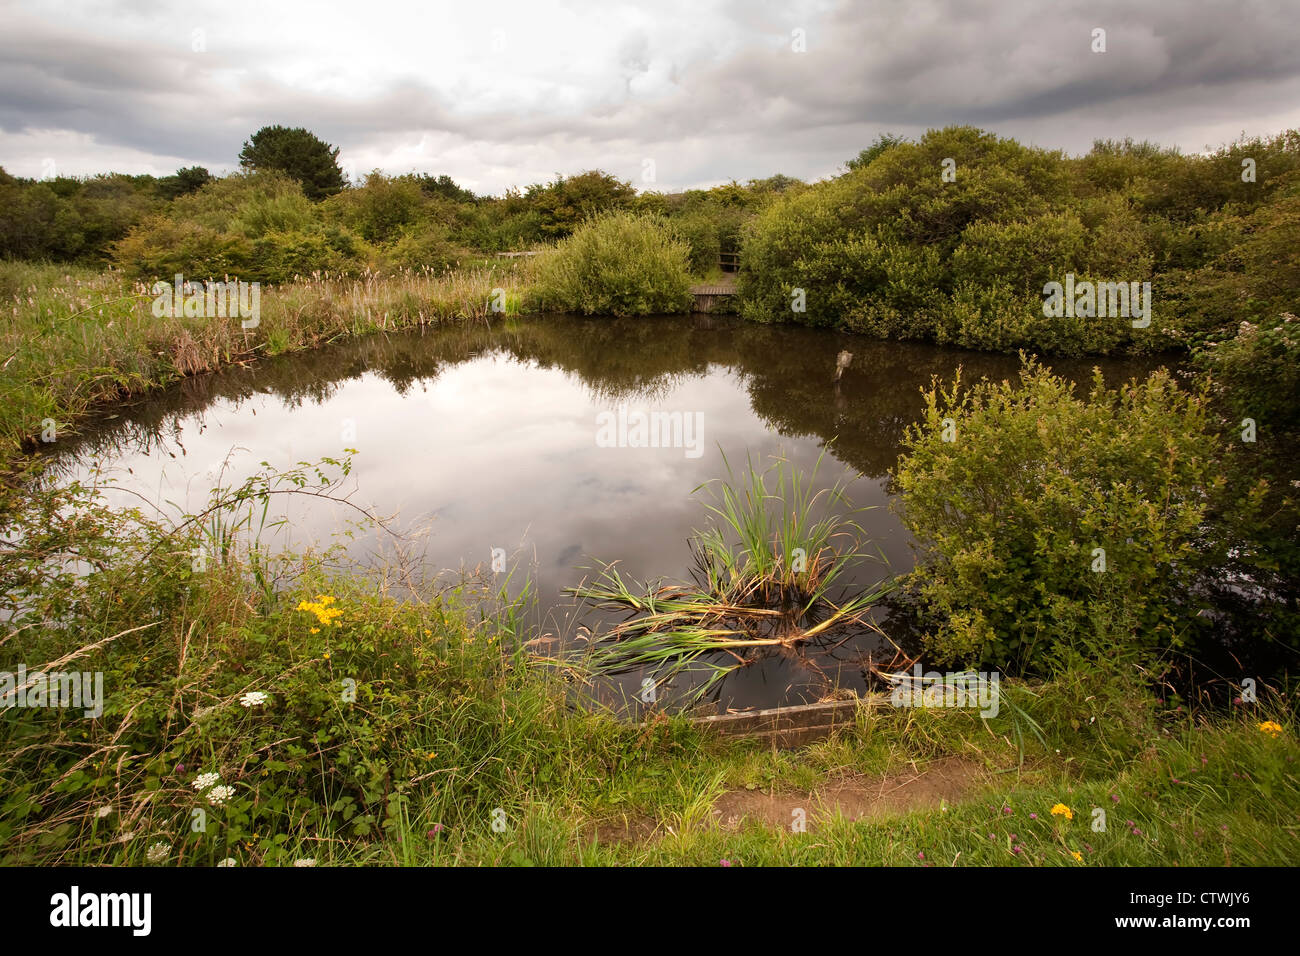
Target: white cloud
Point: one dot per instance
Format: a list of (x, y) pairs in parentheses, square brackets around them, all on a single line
[(497, 94)]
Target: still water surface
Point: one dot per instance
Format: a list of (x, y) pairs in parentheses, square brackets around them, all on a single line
[(490, 437)]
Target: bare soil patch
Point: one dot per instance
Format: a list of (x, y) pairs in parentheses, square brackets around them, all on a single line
[(857, 798), (916, 786)]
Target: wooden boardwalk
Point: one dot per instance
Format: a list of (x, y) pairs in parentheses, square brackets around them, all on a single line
[(726, 287), (710, 296)]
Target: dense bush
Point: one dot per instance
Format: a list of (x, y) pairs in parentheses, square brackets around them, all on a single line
[(421, 249), (1255, 376), (621, 264), (161, 247), (382, 208), (257, 226), (72, 219), (1014, 488), (892, 249), (700, 232), (1258, 371), (567, 202), (1249, 265)]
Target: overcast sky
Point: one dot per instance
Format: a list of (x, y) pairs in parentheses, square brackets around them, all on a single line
[(507, 93)]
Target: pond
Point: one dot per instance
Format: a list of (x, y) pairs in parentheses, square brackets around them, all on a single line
[(519, 441)]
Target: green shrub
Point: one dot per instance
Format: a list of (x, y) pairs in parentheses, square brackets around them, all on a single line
[(1255, 376), (248, 204), (1020, 256), (180, 645), (1258, 370), (279, 256), (990, 315), (566, 203), (700, 232), (422, 249), (883, 248), (1033, 481), (620, 264), (159, 248), (893, 248), (382, 209)]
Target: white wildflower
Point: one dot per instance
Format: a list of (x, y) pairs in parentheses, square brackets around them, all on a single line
[(305, 861), (158, 852), (228, 861), (254, 698), (205, 780), (219, 795), (103, 812)]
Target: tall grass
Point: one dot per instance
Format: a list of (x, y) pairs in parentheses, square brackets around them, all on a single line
[(73, 338), (390, 705)]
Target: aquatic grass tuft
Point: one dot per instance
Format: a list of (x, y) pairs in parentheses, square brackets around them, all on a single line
[(769, 576)]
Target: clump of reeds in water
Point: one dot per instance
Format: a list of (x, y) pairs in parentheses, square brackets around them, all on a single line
[(768, 577)]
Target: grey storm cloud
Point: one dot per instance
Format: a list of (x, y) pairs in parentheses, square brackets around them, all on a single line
[(724, 94)]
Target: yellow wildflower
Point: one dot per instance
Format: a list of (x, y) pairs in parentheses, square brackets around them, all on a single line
[(1077, 855), (1061, 810), (1270, 728), (321, 608)]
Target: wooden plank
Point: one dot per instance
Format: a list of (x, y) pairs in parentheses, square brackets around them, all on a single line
[(792, 726), (827, 713)]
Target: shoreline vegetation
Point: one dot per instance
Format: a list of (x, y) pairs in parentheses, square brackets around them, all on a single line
[(309, 716)]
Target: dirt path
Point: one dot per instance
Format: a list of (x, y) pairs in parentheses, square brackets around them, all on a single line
[(857, 798), (860, 797)]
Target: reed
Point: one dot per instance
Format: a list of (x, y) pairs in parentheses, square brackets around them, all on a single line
[(769, 576)]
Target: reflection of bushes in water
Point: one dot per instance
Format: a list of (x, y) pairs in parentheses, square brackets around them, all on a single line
[(788, 373), (617, 360), (294, 380), (790, 376), (108, 345)]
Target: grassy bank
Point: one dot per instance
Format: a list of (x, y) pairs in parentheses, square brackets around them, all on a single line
[(262, 709), (74, 338)]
